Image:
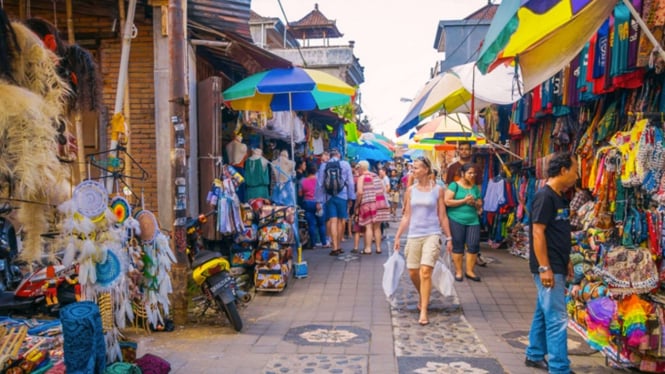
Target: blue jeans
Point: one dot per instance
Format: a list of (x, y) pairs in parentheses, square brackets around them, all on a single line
[(315, 224), (548, 334)]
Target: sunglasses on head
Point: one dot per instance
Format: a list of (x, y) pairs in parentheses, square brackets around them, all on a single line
[(425, 161)]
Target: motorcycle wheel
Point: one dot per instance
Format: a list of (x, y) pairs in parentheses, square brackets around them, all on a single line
[(231, 312), (305, 240)]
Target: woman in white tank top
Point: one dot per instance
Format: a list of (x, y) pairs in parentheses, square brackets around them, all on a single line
[(425, 218)]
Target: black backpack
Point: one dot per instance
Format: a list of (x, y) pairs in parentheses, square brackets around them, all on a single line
[(333, 182)]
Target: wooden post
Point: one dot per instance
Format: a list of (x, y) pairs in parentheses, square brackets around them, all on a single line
[(179, 109)]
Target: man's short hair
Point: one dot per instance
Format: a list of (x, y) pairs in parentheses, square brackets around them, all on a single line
[(460, 144), (334, 151), (559, 161)]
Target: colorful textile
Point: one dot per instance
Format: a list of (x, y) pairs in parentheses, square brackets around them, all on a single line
[(535, 30), (369, 212), (84, 346)]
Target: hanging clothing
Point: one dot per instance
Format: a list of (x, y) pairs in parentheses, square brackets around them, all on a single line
[(494, 195), (257, 178), (317, 146), (283, 193)]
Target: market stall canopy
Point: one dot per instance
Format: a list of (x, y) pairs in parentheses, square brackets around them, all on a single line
[(378, 138), (454, 126), (541, 36), (367, 150), (453, 91), (295, 88)]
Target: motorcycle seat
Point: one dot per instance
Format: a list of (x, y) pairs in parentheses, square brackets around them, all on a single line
[(203, 257)]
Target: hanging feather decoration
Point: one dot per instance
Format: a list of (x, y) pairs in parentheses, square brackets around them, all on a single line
[(35, 69)]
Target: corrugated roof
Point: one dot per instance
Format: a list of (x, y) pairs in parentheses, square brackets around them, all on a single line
[(238, 58), (230, 16), (315, 26)]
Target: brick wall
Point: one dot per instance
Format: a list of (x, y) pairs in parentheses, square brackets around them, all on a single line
[(141, 98), (141, 86)]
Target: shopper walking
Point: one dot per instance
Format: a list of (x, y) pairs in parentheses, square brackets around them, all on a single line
[(465, 156), (549, 255), (464, 206), (395, 187), (370, 215), (316, 220), (423, 244), (334, 188)]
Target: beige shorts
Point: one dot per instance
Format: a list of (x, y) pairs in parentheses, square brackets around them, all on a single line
[(394, 197), (424, 250)]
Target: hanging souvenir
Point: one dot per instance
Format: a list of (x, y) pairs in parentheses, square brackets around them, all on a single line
[(91, 199), (121, 209), (148, 226)]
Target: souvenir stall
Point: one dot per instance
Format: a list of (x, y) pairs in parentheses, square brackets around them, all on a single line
[(609, 112), (280, 94), (114, 266), (258, 229)]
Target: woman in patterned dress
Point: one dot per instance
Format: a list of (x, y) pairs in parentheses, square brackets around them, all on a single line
[(369, 215)]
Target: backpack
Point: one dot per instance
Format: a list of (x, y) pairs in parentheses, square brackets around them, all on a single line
[(333, 182)]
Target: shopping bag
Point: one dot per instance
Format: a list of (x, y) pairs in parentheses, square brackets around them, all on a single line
[(442, 278), (392, 272)]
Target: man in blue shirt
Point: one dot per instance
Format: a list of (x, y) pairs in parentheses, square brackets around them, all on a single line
[(336, 207)]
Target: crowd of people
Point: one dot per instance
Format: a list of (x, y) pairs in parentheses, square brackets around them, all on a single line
[(369, 196), (364, 197)]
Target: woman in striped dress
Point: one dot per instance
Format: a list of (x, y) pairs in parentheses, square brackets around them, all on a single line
[(369, 214)]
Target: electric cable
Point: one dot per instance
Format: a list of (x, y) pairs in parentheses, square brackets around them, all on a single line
[(287, 26)]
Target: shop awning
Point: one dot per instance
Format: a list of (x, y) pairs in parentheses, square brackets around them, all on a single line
[(224, 25), (232, 54)]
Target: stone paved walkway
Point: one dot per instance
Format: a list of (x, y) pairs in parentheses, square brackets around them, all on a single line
[(337, 320)]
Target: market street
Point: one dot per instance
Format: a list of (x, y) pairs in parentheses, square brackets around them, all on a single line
[(338, 320)]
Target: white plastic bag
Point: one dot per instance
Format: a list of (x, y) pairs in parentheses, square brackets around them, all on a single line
[(392, 272), (442, 278)]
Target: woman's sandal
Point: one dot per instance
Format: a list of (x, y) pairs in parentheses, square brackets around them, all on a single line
[(379, 252), (364, 252), (354, 250), (423, 322)]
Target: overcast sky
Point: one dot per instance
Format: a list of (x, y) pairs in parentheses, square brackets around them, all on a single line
[(394, 42)]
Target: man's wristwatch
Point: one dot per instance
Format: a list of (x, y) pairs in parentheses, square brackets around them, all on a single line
[(542, 269)]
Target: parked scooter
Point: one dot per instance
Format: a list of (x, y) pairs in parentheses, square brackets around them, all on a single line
[(210, 270), (303, 231), (41, 291)]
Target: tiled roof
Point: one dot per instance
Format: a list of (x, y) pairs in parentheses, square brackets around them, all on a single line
[(315, 25)]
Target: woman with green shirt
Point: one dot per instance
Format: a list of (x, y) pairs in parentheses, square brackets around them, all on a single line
[(464, 204)]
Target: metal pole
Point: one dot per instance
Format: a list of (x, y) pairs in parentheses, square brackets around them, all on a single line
[(124, 56), (126, 106), (122, 81), (179, 108), (645, 29)]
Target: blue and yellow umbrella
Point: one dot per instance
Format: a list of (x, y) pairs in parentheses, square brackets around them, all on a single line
[(286, 89)]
